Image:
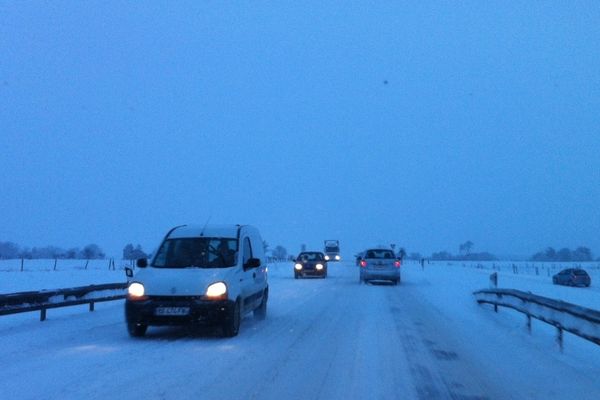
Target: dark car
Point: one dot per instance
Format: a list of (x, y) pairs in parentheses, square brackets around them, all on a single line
[(572, 277), (310, 263)]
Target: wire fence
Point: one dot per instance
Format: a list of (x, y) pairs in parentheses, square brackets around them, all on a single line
[(58, 264), (533, 268)]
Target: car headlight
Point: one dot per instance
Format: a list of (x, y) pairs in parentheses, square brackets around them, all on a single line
[(326, 258), (337, 257), (298, 266), (136, 291), (319, 267), (217, 290)]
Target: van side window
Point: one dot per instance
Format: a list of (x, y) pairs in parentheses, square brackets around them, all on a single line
[(247, 251)]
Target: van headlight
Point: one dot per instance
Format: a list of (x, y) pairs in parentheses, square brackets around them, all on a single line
[(136, 291), (217, 291), (326, 257), (337, 257)]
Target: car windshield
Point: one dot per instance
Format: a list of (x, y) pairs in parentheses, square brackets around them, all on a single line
[(380, 254), (310, 257), (196, 252)]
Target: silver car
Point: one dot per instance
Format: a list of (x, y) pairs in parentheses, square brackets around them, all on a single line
[(379, 265)]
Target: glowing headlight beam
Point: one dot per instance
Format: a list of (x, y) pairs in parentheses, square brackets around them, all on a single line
[(136, 289), (217, 289)]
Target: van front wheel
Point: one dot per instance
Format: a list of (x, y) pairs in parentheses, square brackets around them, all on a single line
[(231, 326)]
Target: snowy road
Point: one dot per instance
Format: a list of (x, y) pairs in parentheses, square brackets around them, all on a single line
[(323, 339)]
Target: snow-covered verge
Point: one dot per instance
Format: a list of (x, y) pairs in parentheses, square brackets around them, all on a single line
[(41, 274), (323, 339)]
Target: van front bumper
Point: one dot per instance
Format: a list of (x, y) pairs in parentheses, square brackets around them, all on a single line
[(165, 310)]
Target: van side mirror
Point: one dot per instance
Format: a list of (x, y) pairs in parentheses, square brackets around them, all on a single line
[(252, 263), (142, 262), (128, 272)]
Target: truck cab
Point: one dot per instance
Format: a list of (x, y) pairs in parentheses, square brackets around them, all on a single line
[(332, 250)]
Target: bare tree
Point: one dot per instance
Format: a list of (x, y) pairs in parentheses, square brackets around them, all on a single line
[(279, 252), (465, 248)]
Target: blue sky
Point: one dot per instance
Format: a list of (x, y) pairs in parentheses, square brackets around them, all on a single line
[(424, 124)]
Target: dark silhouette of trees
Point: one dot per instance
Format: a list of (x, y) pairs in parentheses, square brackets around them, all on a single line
[(581, 253), (465, 254), (279, 252), (9, 250), (92, 251), (465, 248), (133, 253)]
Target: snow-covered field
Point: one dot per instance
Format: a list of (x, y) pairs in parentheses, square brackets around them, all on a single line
[(323, 339)]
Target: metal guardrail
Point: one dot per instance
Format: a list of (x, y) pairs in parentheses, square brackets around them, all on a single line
[(43, 300), (580, 321)]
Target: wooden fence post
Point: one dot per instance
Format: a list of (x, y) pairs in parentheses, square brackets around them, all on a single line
[(494, 280), (22, 262)]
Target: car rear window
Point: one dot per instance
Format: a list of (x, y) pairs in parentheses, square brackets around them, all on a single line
[(580, 272), (380, 254)]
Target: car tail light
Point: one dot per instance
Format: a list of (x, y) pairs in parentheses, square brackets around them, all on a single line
[(363, 263), (397, 263)]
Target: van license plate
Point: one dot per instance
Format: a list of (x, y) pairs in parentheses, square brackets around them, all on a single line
[(172, 311)]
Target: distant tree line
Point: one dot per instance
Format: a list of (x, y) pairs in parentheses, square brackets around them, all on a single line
[(10, 250), (464, 254), (483, 256), (550, 254)]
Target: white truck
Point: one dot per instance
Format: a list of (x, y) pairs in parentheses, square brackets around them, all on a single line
[(332, 250)]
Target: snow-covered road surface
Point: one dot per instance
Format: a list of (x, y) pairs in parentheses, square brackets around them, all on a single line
[(323, 339)]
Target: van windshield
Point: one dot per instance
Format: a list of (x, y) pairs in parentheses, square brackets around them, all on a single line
[(200, 252)]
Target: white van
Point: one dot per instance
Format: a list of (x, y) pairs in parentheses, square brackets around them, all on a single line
[(200, 275)]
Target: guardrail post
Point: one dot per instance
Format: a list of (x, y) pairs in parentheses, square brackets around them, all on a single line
[(559, 338), (529, 323), (91, 306), (43, 314)]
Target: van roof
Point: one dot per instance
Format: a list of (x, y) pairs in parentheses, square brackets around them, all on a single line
[(195, 230)]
